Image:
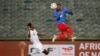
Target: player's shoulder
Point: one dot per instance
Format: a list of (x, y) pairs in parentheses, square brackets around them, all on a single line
[(64, 8), (35, 30)]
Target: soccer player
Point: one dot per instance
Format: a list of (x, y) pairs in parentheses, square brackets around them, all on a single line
[(36, 44), (61, 18)]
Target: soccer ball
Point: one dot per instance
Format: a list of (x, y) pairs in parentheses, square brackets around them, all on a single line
[(53, 6)]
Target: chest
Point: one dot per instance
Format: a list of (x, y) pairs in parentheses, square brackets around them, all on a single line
[(61, 12), (34, 33)]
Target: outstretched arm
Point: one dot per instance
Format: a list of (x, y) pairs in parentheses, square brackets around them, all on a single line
[(69, 11), (56, 15), (28, 34), (43, 34)]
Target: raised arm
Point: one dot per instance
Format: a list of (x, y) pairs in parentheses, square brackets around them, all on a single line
[(28, 34), (43, 34), (69, 11), (56, 15)]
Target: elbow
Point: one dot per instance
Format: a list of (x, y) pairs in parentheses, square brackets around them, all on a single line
[(71, 13)]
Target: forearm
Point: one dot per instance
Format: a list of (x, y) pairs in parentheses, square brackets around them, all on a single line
[(42, 34), (28, 35), (71, 13), (57, 16)]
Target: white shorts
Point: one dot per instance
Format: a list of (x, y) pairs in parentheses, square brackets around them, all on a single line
[(39, 47)]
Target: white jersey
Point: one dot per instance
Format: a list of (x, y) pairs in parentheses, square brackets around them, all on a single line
[(34, 39)]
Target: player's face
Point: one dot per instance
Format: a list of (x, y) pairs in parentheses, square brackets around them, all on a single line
[(59, 7), (29, 28)]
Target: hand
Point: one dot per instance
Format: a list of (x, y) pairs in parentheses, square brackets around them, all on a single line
[(71, 8)]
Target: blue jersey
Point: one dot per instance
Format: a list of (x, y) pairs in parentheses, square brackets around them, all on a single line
[(60, 15)]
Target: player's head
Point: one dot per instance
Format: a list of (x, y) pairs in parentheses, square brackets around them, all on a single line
[(59, 6), (30, 26)]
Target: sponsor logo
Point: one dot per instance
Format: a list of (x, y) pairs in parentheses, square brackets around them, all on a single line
[(51, 49), (68, 50)]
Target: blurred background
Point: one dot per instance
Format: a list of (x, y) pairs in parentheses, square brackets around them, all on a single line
[(16, 14)]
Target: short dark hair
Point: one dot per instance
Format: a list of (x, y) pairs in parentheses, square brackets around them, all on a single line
[(59, 4), (29, 24)]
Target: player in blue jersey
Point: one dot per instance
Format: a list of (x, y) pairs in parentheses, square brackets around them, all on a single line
[(61, 18)]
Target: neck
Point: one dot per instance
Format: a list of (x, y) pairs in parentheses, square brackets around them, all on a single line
[(32, 28)]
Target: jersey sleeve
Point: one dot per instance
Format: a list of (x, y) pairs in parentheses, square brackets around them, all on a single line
[(68, 11), (35, 31), (56, 15)]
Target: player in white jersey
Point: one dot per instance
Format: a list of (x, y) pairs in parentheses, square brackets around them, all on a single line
[(36, 44)]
